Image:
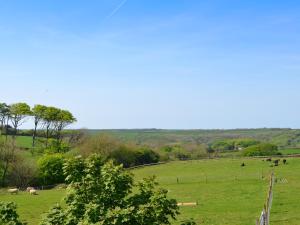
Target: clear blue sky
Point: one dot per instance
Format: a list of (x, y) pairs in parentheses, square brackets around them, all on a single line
[(155, 63)]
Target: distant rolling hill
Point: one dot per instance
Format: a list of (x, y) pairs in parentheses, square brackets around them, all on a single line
[(282, 137)]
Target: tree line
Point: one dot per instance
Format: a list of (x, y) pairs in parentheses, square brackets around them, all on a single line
[(51, 120)]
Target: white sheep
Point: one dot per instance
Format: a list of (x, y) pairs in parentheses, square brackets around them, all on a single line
[(13, 191), (33, 192), (29, 188)]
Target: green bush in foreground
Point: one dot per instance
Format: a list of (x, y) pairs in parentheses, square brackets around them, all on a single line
[(101, 194), (263, 149), (8, 214)]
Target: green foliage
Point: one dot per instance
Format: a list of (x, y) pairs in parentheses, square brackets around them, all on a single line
[(127, 154), (124, 155), (245, 142), (101, 193), (38, 112), (130, 156), (55, 216), (17, 113), (183, 151), (50, 114), (146, 156), (19, 109), (64, 118), (55, 146), (264, 149), (8, 214), (233, 144), (176, 152), (224, 145), (50, 169), (7, 159)]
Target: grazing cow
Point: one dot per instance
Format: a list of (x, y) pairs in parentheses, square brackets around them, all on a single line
[(268, 159), (33, 192), (13, 191), (243, 164), (284, 161), (276, 162)]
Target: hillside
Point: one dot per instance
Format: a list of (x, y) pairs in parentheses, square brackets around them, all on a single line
[(281, 137)]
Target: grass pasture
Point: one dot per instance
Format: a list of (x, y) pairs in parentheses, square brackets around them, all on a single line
[(290, 151), (31, 207), (226, 193)]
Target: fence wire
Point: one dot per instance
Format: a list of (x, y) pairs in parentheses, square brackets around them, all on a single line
[(264, 218)]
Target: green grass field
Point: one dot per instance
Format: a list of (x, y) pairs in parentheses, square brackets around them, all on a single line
[(226, 193), (22, 141), (31, 207), (290, 151)]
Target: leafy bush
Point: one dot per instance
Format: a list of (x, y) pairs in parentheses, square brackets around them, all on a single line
[(124, 155), (233, 144), (55, 146), (101, 193), (176, 152), (54, 216), (127, 154), (22, 173), (146, 156), (50, 168), (223, 145), (99, 144), (246, 142), (264, 149), (8, 214)]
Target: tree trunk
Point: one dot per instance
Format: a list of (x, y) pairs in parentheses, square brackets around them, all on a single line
[(2, 124), (4, 174), (47, 135), (34, 134), (14, 135), (6, 130)]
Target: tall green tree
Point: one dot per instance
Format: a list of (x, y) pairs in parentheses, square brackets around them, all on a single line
[(38, 113), (103, 194), (18, 112), (63, 119), (49, 117), (4, 117)]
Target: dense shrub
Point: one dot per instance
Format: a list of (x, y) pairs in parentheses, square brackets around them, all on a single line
[(101, 193), (55, 216), (50, 168), (181, 154), (22, 173), (124, 155), (223, 145), (8, 158), (245, 142), (178, 152), (263, 149), (8, 214), (55, 146), (146, 156), (196, 151), (109, 148), (99, 144), (233, 144)]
